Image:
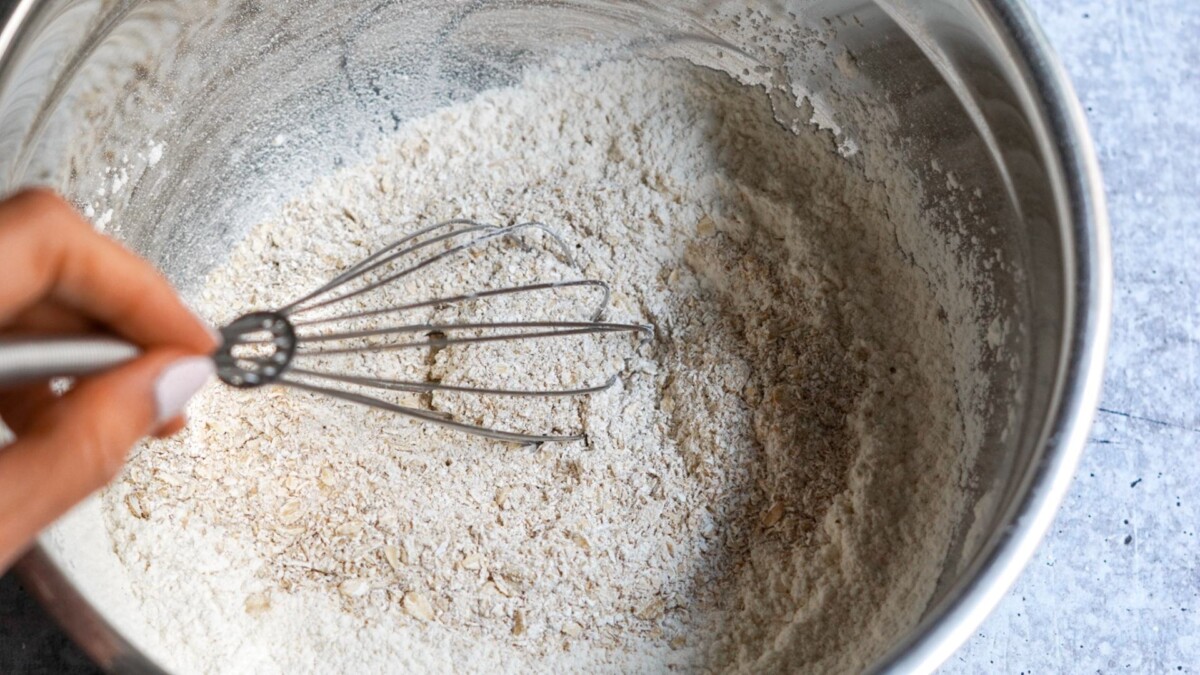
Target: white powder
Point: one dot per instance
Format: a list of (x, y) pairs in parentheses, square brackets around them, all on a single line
[(771, 486)]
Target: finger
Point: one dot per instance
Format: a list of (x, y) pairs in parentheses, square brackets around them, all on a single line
[(19, 406), (48, 250), (171, 427), (77, 444), (49, 318)]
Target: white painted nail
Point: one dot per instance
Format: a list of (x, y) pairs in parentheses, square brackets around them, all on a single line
[(177, 384)]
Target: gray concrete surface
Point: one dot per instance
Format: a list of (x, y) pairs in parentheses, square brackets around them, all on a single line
[(1115, 587)]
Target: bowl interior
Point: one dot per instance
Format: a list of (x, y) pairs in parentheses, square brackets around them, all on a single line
[(212, 114)]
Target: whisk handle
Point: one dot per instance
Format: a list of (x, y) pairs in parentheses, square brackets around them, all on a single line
[(27, 360)]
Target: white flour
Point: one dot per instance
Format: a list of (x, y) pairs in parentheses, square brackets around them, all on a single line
[(772, 485)]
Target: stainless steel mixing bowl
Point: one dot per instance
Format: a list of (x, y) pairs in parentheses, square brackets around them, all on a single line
[(256, 97)]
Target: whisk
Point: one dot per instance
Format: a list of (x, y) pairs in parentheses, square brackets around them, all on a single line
[(278, 346)]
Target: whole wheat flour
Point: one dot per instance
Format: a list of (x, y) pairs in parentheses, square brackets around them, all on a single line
[(770, 485)]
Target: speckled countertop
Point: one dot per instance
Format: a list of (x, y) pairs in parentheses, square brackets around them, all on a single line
[(1116, 585)]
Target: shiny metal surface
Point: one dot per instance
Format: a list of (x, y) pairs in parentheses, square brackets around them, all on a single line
[(329, 322), (86, 627), (1072, 398), (254, 99), (25, 361)]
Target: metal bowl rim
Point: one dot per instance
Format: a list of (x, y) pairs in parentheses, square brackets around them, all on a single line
[(1089, 275), (1085, 349)]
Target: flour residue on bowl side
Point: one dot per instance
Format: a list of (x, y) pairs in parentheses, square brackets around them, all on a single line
[(773, 483)]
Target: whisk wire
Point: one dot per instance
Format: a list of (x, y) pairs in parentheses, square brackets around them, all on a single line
[(552, 329), (263, 347), (468, 297), (373, 261), (414, 387), (431, 416), (491, 232)]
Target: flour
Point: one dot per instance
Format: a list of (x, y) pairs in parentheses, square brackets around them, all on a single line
[(771, 484)]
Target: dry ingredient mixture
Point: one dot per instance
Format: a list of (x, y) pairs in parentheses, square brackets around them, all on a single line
[(770, 486)]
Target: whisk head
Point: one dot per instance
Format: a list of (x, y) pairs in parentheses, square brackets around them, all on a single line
[(354, 314)]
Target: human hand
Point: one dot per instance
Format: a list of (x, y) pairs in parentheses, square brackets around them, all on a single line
[(58, 276)]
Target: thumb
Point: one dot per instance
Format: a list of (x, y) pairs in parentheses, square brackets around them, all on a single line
[(79, 442)]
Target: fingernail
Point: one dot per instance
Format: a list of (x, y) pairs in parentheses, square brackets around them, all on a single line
[(177, 384)]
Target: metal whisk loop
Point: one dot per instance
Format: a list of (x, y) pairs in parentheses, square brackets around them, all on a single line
[(265, 347), (435, 417), (414, 387), (246, 371), (490, 232), (468, 297), (526, 330)]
